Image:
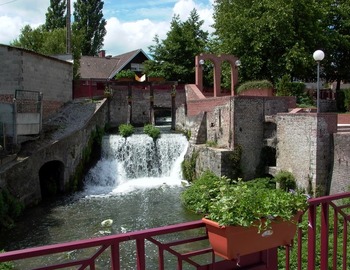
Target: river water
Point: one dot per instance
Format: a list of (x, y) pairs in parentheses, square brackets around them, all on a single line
[(137, 183)]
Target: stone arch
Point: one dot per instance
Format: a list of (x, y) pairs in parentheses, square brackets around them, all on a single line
[(217, 61), (51, 176)]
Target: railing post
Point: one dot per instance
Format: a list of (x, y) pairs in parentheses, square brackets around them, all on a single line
[(324, 235), (312, 238), (140, 251), (115, 256)]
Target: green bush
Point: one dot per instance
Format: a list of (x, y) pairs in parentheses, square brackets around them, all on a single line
[(346, 99), (285, 87), (151, 131), (263, 84), (125, 74), (10, 209), (188, 167), (285, 180), (6, 265), (126, 130)]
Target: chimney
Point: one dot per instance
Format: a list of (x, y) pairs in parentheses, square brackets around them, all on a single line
[(102, 53)]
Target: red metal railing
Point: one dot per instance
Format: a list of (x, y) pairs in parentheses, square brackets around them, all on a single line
[(317, 246)]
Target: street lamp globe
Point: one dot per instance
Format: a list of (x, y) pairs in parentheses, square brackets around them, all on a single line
[(318, 55)]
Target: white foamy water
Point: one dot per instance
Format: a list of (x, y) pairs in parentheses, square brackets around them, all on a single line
[(137, 163)]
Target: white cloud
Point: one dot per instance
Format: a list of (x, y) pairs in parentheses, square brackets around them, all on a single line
[(124, 37), (123, 33)]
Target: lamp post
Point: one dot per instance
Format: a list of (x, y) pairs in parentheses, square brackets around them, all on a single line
[(318, 57)]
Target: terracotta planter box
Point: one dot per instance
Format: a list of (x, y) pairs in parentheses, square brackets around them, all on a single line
[(233, 242), (125, 80)]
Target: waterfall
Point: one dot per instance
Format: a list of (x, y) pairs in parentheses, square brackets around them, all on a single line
[(137, 162)]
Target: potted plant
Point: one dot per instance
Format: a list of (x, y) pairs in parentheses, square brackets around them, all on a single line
[(125, 75), (155, 76), (244, 217)]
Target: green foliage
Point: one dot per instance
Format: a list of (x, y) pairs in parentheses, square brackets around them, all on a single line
[(152, 131), (211, 144), (55, 16), (286, 180), (263, 84), (127, 73), (10, 209), (235, 160), (202, 190), (345, 93), (155, 73), (271, 37), (241, 203), (174, 56), (285, 87), (90, 153), (126, 130), (6, 265), (88, 18), (188, 167)]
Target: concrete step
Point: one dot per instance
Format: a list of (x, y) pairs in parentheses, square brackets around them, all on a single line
[(343, 128)]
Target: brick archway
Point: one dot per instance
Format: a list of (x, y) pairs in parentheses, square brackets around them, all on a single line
[(217, 61)]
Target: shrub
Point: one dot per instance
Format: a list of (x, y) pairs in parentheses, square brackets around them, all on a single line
[(188, 167), (6, 265), (155, 73), (151, 131), (10, 209), (285, 180), (125, 74), (346, 95), (285, 87), (254, 85), (126, 130)]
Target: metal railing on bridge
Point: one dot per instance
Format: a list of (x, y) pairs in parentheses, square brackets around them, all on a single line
[(321, 243)]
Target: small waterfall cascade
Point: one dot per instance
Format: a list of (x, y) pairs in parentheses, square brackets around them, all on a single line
[(137, 162)]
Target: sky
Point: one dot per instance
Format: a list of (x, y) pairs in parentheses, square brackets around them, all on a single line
[(131, 24)]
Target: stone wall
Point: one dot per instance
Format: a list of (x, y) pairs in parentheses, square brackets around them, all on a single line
[(21, 177), (239, 121), (341, 164), (212, 159), (248, 127), (140, 104), (26, 70), (305, 143)]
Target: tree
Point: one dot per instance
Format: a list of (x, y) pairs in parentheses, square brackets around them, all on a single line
[(336, 64), (30, 39), (55, 16), (88, 18), (271, 37), (174, 56)]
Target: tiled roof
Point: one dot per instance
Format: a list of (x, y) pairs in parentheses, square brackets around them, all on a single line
[(105, 67)]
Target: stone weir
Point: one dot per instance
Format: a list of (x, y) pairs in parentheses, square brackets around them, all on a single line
[(50, 164)]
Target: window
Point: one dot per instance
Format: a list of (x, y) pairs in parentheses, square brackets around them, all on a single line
[(136, 67)]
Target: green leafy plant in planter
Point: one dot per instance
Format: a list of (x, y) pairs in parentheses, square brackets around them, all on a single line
[(244, 212), (125, 74), (155, 75)]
